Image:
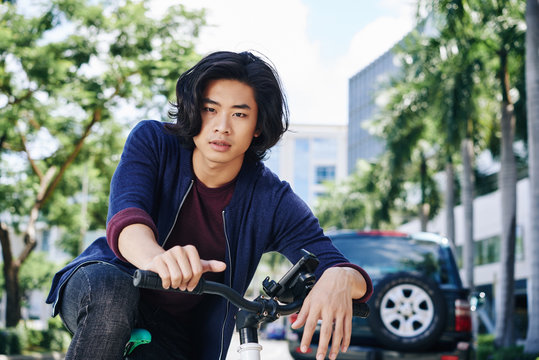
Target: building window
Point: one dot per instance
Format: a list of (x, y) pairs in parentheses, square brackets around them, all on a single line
[(325, 173), (45, 239), (301, 168), (487, 251), (273, 160), (519, 245), (324, 148)]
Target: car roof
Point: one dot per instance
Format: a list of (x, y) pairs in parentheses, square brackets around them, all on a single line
[(424, 236)]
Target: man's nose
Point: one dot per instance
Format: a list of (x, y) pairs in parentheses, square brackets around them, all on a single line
[(222, 123)]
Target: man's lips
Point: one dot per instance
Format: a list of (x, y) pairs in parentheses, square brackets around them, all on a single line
[(220, 145)]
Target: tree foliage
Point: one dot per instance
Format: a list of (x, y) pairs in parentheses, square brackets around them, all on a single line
[(460, 87), (74, 76), (36, 272)]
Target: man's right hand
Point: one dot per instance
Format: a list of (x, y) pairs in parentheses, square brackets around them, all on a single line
[(181, 267)]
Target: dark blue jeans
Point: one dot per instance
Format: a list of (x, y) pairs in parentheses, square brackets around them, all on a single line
[(100, 306)]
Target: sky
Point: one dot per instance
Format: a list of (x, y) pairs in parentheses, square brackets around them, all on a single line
[(316, 45)]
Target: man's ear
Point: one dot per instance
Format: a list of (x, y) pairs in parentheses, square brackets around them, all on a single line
[(257, 133)]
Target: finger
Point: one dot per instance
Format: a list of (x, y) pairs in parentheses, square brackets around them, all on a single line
[(196, 267), (325, 335), (160, 267), (184, 263), (308, 331), (347, 333), (212, 266), (337, 337), (174, 269), (302, 315)]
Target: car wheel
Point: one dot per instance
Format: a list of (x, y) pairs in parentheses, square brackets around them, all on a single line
[(408, 312)]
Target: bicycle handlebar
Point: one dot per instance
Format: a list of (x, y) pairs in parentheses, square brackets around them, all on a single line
[(150, 280)]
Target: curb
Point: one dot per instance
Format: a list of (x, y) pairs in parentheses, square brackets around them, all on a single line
[(48, 356)]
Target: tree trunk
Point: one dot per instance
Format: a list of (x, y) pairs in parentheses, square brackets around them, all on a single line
[(532, 90), (12, 265), (11, 277), (467, 202), (450, 201), (47, 184), (424, 208), (505, 299)]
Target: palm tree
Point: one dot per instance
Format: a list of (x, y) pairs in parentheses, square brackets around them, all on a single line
[(532, 93), (503, 36), (478, 28), (455, 101)]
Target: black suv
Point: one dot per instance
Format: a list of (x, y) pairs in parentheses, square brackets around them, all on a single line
[(419, 308)]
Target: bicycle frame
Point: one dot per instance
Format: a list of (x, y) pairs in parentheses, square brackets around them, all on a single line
[(284, 298)]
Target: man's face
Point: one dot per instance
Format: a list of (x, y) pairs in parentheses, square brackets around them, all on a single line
[(229, 118)]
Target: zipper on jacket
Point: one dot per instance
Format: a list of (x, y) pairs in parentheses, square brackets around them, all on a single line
[(178, 213), (230, 284)]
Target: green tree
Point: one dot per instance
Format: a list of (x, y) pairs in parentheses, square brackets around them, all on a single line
[(431, 110), (503, 35), (486, 35), (351, 202), (456, 65), (532, 94), (494, 28), (342, 206), (36, 272), (71, 73)]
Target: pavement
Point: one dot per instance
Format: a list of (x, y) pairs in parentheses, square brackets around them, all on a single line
[(271, 350), (51, 356)]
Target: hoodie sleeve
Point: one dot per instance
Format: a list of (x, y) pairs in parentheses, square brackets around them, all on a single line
[(295, 228), (135, 178), (132, 189), (123, 219)]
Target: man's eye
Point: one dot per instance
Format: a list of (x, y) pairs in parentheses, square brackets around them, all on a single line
[(208, 109), (240, 115)]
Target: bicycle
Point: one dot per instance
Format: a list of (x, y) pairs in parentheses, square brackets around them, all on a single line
[(284, 297)]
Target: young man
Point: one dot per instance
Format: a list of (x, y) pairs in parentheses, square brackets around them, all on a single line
[(193, 199)]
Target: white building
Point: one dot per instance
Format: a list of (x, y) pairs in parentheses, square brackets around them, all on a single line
[(308, 155)]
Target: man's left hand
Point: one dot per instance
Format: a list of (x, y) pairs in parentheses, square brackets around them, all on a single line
[(330, 300)]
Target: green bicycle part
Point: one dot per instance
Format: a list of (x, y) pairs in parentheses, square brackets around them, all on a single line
[(138, 337)]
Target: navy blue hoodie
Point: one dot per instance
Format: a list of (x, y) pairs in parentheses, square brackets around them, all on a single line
[(155, 175)]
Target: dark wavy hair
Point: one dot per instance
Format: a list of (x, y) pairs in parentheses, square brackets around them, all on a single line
[(272, 117)]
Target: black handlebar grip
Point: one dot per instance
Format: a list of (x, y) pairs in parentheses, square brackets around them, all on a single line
[(360, 309), (150, 280), (147, 279)]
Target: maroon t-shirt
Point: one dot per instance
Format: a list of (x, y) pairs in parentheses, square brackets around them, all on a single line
[(200, 224)]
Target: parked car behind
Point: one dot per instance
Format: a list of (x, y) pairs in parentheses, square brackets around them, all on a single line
[(419, 308)]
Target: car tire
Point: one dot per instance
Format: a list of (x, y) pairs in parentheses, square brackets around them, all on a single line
[(408, 312)]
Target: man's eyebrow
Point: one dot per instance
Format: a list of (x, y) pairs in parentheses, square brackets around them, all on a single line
[(242, 106), (210, 101)]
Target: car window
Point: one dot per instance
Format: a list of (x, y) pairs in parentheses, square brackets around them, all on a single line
[(382, 255)]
